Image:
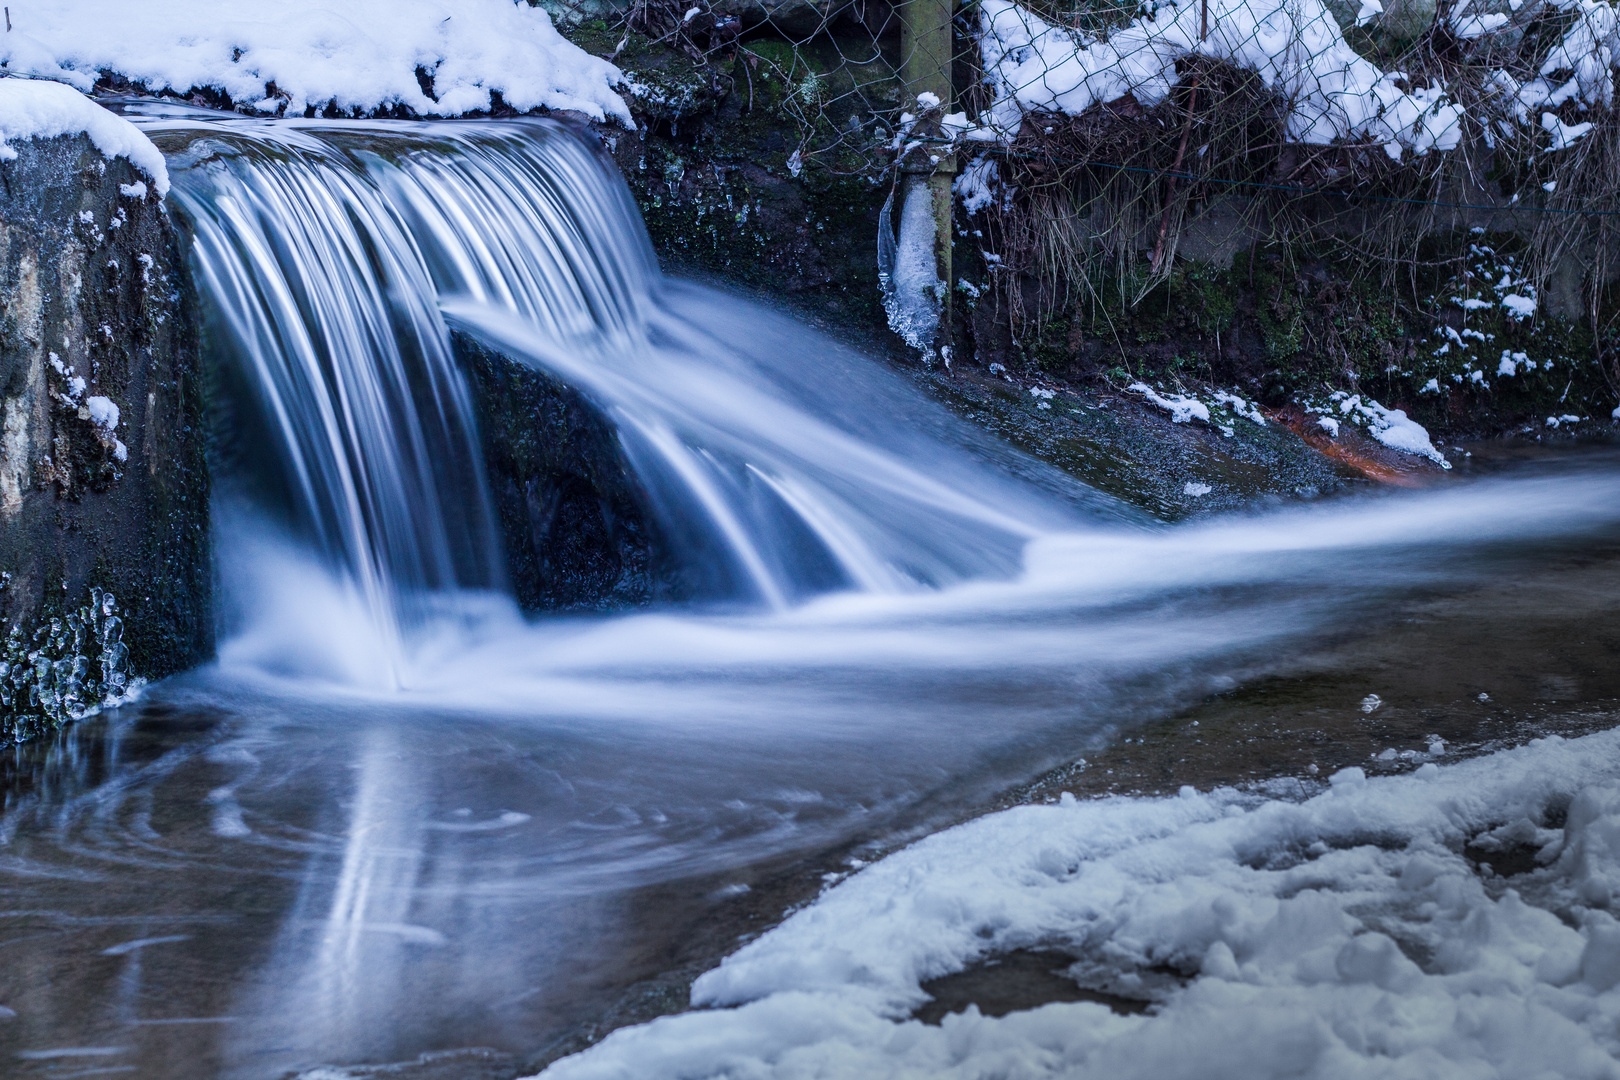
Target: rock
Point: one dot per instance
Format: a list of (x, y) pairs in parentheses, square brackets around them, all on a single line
[(103, 472), (572, 517)]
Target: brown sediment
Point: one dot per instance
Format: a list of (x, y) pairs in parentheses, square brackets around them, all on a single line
[(1354, 451)]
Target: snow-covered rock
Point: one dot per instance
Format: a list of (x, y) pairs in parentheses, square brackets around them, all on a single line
[(361, 54), (40, 109)]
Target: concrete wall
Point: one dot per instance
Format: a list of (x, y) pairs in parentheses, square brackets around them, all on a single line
[(91, 289)]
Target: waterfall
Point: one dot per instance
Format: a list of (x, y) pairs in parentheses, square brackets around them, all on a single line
[(333, 261)]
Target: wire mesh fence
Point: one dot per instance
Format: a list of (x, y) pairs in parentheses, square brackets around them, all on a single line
[(1097, 140)]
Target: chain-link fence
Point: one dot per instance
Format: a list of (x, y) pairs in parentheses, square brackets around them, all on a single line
[(1094, 141)]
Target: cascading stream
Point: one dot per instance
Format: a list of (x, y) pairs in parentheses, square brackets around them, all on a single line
[(325, 254), (398, 818)]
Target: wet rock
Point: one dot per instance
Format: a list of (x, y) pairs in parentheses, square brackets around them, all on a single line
[(103, 472), (571, 515)]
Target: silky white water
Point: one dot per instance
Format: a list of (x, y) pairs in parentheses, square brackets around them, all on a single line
[(405, 817)]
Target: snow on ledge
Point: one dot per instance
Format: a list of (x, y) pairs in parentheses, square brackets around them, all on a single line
[(361, 54), (38, 109), (1295, 918)]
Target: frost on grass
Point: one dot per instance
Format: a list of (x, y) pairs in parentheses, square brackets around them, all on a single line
[(362, 54), (1351, 934), (35, 109)]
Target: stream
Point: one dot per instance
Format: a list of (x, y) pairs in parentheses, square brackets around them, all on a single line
[(399, 817)]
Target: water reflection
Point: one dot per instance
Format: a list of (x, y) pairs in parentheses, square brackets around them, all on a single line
[(256, 872)]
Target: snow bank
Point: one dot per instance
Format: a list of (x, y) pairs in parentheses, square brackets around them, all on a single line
[(37, 109), (1294, 45), (1341, 936), (360, 54)]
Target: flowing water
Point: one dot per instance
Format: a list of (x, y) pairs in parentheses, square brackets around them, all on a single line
[(397, 817)]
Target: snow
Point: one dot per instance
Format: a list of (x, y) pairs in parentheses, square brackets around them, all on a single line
[(1329, 425), (978, 183), (1295, 923), (1392, 427), (1294, 45), (38, 109), (103, 412), (1519, 307), (361, 54), (1196, 490), (1431, 387), (1563, 135), (1241, 407), (1180, 407)]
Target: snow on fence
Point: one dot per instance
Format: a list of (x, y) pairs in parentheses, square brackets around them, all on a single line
[(1105, 137)]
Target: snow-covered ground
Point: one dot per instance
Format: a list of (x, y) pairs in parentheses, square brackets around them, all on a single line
[(361, 54), (1345, 935), (37, 109)]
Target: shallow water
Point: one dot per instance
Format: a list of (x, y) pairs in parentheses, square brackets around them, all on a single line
[(253, 872), (397, 817)]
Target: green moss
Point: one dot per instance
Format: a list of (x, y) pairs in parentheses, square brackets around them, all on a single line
[(1295, 322)]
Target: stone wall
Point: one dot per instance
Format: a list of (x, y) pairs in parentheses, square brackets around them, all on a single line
[(103, 471)]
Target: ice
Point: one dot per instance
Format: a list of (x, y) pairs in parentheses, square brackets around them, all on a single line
[(362, 54), (37, 109), (1309, 948), (907, 270)]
